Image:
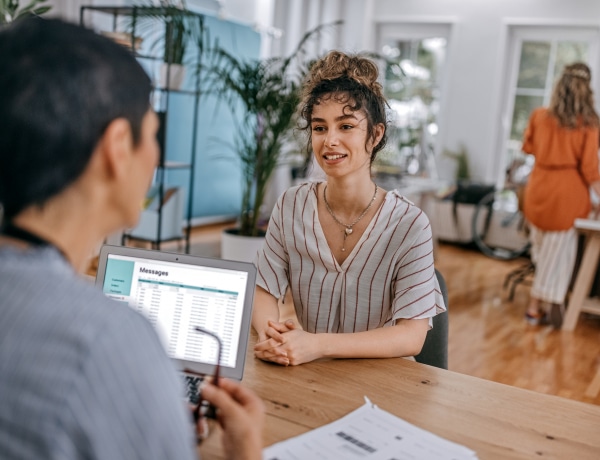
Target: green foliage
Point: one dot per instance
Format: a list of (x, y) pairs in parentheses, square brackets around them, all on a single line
[(269, 91), (462, 163), (269, 98), (10, 11), (176, 35), (181, 27)]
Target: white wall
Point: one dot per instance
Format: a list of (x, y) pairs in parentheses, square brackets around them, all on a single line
[(477, 68), (471, 115), (477, 50)]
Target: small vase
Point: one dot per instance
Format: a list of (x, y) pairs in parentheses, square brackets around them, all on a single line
[(171, 76)]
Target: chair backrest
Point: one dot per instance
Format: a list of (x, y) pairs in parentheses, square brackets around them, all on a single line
[(435, 348)]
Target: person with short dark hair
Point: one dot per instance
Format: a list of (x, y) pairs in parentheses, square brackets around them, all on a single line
[(82, 376), (357, 259)]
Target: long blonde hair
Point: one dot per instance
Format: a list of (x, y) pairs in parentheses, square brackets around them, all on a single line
[(572, 101)]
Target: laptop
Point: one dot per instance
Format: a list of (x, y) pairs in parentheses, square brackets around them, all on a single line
[(178, 292)]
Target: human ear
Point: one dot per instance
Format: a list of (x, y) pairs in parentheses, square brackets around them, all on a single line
[(116, 145), (378, 133)]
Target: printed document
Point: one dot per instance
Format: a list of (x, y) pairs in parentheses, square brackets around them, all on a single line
[(368, 433)]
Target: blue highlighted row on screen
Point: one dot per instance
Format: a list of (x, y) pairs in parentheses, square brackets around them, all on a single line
[(164, 283)]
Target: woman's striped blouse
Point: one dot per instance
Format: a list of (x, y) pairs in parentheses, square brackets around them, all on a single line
[(389, 275)]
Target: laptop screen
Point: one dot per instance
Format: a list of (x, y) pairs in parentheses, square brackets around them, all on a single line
[(179, 292)]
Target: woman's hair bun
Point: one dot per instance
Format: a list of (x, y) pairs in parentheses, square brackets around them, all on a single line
[(336, 65)]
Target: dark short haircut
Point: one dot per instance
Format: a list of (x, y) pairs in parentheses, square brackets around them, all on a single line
[(61, 85)]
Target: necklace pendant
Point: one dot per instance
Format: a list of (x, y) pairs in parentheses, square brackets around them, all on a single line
[(348, 231)]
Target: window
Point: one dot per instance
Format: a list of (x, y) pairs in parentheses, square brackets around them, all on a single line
[(538, 55), (413, 73)]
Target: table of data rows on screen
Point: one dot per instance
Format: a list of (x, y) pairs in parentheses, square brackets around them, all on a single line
[(176, 309)]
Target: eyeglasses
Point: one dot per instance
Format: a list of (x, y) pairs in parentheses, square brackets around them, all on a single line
[(205, 410)]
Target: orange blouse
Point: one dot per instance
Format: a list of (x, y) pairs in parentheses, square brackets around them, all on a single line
[(566, 163)]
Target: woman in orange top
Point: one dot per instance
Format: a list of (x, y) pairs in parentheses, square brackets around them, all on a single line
[(564, 140)]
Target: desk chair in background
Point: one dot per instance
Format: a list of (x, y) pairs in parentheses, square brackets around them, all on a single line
[(435, 348)]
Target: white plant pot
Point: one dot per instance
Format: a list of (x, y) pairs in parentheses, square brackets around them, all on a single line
[(171, 76), (242, 248)]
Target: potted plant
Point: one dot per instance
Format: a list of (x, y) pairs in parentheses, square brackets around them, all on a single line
[(269, 92), (10, 11), (181, 27)]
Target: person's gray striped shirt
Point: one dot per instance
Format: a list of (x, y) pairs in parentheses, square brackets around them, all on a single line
[(81, 376)]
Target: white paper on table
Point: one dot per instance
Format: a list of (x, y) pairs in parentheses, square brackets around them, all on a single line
[(368, 433)]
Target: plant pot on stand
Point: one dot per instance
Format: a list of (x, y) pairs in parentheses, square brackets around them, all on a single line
[(263, 95), (178, 31), (240, 247)]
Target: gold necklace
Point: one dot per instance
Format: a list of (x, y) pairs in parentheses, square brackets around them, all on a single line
[(348, 227)]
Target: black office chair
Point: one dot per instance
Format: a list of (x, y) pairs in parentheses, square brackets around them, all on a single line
[(435, 349)]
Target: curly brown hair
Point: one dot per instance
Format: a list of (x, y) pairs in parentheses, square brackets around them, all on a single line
[(350, 80), (572, 101)]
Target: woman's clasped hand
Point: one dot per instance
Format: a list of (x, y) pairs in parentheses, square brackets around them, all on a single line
[(287, 344)]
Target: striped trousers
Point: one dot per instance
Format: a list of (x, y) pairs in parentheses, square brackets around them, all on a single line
[(553, 254)]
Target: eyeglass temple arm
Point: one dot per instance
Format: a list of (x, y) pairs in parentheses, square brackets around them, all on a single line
[(219, 348)]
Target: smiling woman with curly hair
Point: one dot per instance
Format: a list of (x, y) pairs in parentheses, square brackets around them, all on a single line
[(357, 259)]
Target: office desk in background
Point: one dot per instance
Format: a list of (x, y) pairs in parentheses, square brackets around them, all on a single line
[(580, 300), (496, 421)]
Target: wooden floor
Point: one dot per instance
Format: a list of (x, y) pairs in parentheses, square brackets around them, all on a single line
[(490, 339), (488, 335)]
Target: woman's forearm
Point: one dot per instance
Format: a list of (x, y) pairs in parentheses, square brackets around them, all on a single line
[(265, 309), (404, 339)]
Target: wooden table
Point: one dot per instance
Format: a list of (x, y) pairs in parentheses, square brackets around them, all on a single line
[(580, 300), (495, 420)]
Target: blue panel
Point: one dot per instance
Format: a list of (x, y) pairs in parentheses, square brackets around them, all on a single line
[(217, 184)]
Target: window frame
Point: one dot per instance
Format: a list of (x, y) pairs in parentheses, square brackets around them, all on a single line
[(551, 33), (404, 29)]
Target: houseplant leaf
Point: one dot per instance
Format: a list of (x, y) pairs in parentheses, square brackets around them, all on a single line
[(10, 11), (269, 92)]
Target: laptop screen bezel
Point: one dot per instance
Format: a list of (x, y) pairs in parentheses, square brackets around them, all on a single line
[(235, 373)]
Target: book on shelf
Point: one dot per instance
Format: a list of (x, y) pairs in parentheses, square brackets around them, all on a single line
[(152, 201)]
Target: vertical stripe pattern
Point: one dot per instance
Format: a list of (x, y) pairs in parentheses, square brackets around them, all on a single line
[(553, 254), (389, 275), (81, 376)]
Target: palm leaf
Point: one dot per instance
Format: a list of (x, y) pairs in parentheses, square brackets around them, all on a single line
[(269, 92), (10, 11)]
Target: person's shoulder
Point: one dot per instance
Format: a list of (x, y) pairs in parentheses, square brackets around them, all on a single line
[(542, 115), (396, 197), (404, 208), (299, 191), (78, 305)]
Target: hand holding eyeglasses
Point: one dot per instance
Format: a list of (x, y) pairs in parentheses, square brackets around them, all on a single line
[(238, 410), (240, 413)]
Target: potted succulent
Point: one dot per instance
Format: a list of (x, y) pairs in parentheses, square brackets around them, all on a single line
[(269, 92), (10, 11)]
